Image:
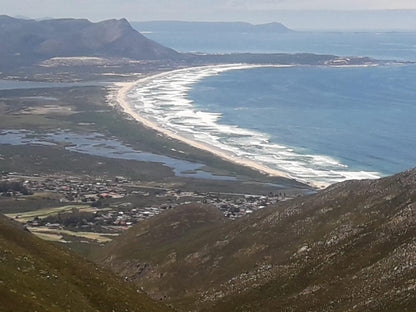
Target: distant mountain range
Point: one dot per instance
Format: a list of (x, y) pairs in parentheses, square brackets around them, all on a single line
[(29, 43), (350, 247), (202, 27), (26, 41)]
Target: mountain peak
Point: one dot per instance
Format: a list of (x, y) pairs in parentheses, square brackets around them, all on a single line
[(33, 40)]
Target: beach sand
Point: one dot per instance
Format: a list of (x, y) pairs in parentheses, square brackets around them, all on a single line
[(121, 98)]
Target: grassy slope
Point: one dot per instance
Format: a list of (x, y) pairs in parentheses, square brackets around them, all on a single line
[(166, 240), (349, 247), (38, 276)]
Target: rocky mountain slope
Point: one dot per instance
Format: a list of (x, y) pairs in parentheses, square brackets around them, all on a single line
[(351, 247), (28, 41), (36, 275)]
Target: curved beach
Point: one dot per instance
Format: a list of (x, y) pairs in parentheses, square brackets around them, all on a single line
[(121, 97), (163, 102)]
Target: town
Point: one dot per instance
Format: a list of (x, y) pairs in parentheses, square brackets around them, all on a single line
[(109, 206)]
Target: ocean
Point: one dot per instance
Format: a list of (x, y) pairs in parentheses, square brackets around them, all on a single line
[(317, 124), (380, 45)]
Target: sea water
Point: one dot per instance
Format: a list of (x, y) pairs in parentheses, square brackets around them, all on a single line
[(322, 124), (325, 124), (338, 123), (379, 45)]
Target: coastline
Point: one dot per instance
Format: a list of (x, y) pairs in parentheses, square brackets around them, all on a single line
[(120, 95)]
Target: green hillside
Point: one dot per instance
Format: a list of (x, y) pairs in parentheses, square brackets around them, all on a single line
[(159, 252), (36, 275), (351, 247)]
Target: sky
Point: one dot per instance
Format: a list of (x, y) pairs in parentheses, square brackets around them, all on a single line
[(297, 14)]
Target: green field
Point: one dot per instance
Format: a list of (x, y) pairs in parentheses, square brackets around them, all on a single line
[(45, 212), (57, 235)]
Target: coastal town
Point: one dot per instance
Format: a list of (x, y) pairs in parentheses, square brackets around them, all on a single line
[(110, 206)]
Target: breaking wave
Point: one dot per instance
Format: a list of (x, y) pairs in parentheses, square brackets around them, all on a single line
[(164, 99)]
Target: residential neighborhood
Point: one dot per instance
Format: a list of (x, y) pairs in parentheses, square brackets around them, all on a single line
[(112, 205)]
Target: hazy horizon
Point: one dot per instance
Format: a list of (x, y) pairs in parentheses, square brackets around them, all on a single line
[(297, 14), (380, 20)]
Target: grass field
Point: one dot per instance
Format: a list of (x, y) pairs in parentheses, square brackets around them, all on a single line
[(58, 235), (45, 212), (61, 234)]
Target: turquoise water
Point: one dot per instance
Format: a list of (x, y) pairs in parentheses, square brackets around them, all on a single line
[(362, 118), (321, 124)]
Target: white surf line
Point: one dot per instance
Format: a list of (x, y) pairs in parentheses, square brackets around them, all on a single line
[(194, 74), (124, 89), (121, 97)]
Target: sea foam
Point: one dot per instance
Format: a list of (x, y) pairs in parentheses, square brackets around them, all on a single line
[(164, 100)]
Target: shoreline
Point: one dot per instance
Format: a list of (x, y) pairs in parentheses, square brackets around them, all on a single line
[(121, 95)]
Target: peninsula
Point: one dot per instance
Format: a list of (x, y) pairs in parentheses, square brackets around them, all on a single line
[(179, 224)]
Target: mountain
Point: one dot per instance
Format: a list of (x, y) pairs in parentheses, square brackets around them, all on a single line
[(204, 27), (40, 49), (272, 28), (351, 247), (27, 41), (36, 275)]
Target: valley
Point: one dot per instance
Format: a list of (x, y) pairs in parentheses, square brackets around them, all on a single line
[(100, 212)]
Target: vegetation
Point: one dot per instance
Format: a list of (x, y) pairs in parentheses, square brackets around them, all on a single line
[(13, 187), (39, 276), (349, 247), (86, 110), (29, 41)]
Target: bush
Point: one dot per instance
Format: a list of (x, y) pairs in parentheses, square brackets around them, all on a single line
[(14, 187)]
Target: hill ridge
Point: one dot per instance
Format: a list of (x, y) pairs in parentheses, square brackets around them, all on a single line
[(39, 275), (351, 245)]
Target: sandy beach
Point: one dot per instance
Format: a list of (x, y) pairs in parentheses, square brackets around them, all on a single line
[(121, 98)]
